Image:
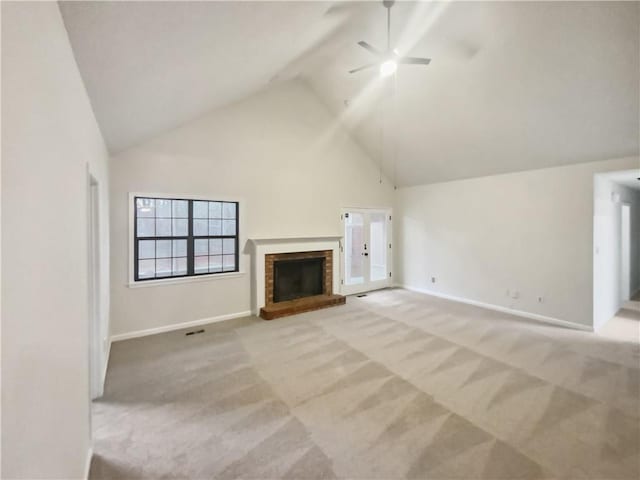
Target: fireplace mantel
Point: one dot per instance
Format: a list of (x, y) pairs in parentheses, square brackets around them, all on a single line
[(272, 241), (263, 246)]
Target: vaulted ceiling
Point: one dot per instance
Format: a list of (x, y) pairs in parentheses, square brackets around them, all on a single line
[(512, 85)]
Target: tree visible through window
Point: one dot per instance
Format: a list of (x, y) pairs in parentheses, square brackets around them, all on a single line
[(180, 238)]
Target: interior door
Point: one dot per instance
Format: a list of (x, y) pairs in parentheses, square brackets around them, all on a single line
[(366, 250)]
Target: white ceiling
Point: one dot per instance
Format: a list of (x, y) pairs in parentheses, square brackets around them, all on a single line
[(511, 86)]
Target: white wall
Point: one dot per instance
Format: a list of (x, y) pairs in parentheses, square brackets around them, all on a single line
[(607, 240), (529, 231), (49, 140), (279, 153)]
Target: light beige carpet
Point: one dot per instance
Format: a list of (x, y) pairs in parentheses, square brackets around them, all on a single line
[(392, 385)]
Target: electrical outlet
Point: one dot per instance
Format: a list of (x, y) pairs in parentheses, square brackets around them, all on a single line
[(515, 294)]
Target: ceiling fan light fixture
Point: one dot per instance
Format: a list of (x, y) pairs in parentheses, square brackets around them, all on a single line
[(388, 68)]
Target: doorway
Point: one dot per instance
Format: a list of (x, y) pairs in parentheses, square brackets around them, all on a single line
[(95, 321), (366, 250), (625, 252)]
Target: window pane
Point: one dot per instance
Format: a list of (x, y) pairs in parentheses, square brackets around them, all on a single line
[(163, 267), (180, 209), (163, 248), (215, 263), (201, 264), (201, 247), (229, 210), (145, 207), (200, 209), (215, 210), (163, 208), (200, 228), (146, 227), (179, 248), (146, 249), (229, 246), (163, 227), (229, 262), (215, 227), (146, 268), (179, 266), (215, 246), (180, 227), (228, 227)]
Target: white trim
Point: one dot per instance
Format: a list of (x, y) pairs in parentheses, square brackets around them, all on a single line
[(498, 308), (178, 326), (87, 463), (173, 281)]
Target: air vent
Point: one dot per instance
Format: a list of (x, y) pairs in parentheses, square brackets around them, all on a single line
[(194, 332)]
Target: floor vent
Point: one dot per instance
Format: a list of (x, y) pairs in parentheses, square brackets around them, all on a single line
[(194, 332)]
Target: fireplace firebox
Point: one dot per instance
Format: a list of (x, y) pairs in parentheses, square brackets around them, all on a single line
[(297, 278), (298, 282)]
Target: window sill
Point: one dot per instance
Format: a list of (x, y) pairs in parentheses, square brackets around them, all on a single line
[(175, 281)]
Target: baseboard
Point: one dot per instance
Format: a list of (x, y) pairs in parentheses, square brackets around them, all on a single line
[(87, 464), (498, 308), (106, 363), (178, 326)]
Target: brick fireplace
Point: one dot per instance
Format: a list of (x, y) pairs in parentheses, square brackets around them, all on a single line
[(294, 275)]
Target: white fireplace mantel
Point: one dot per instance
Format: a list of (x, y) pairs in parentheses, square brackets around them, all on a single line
[(263, 246)]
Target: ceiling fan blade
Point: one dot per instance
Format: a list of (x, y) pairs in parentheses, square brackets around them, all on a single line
[(415, 60), (373, 50), (364, 67)]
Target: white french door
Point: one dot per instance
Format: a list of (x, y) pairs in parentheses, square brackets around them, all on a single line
[(366, 249)]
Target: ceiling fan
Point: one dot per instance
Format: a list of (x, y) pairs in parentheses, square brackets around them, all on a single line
[(388, 61)]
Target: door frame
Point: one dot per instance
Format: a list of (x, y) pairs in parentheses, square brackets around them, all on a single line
[(96, 381), (625, 252), (370, 285)]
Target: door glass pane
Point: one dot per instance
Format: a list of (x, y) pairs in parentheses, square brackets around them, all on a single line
[(354, 248), (378, 246)]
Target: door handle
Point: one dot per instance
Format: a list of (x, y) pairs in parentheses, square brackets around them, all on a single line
[(366, 254)]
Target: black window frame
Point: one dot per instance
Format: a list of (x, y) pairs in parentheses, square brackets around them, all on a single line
[(190, 238)]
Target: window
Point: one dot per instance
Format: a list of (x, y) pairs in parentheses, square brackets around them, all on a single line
[(182, 238)]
